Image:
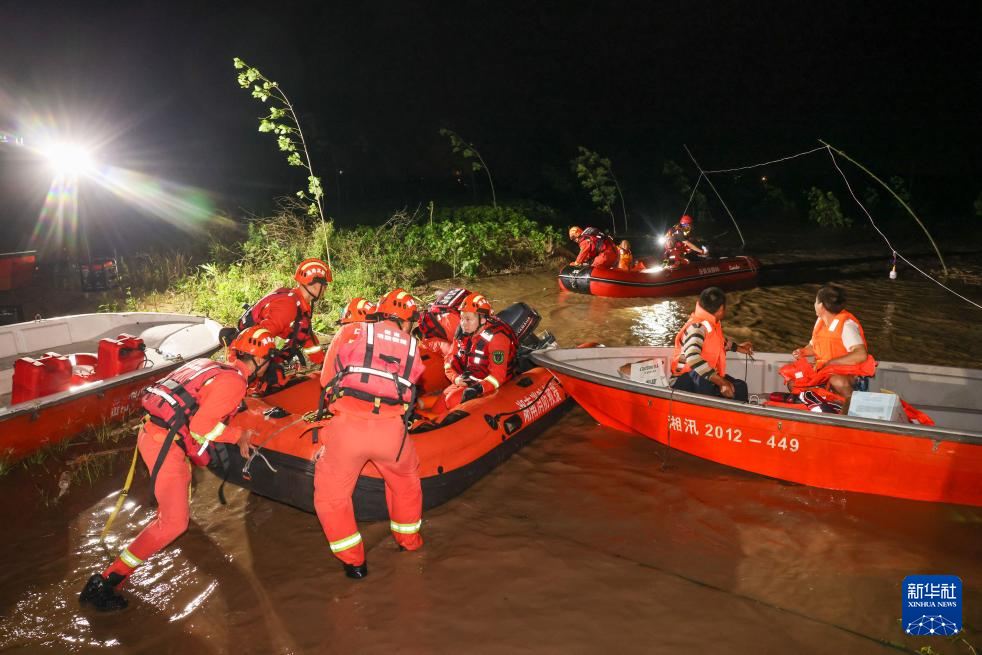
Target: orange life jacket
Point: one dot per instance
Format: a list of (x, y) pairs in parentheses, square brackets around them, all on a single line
[(827, 341), (377, 368), (472, 356), (625, 261), (713, 346), (171, 402), (300, 330), (599, 242)]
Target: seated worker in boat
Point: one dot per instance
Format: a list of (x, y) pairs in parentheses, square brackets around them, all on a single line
[(287, 313), (677, 243), (625, 258), (596, 248), (699, 360), (438, 324), (186, 412), (838, 344), (485, 349), (369, 380)]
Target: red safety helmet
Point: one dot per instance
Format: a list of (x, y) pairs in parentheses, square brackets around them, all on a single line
[(256, 341), (312, 271), (685, 220), (575, 232), (476, 303), (397, 304), (357, 311)]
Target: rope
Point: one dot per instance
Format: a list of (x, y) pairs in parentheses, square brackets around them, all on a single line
[(122, 495), (766, 163), (693, 194), (713, 187), (895, 252)]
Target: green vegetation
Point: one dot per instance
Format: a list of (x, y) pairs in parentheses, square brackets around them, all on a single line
[(368, 261), (467, 150), (283, 122), (824, 209), (597, 177)]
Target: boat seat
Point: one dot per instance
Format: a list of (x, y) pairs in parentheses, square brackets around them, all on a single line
[(34, 378)]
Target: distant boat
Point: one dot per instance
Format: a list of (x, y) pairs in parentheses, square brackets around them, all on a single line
[(59, 376), (685, 279), (941, 463)]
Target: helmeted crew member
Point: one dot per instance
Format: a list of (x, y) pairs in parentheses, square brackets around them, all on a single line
[(356, 311), (484, 357), (677, 244), (838, 341), (596, 248), (287, 313), (699, 359), (371, 374), (625, 258), (186, 411), (438, 325)]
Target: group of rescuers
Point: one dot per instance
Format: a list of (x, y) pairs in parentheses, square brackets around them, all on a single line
[(370, 372), (599, 250)]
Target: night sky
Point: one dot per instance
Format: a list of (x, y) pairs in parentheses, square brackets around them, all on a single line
[(897, 85)]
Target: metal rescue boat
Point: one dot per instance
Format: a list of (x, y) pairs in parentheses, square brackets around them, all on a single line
[(940, 463), (59, 376), (685, 279)]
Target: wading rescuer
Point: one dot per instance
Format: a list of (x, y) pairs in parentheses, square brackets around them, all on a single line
[(484, 354), (699, 360), (596, 248), (677, 244), (287, 313), (842, 359), (186, 412), (369, 379)]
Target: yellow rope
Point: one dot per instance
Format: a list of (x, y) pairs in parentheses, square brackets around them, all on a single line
[(122, 495)]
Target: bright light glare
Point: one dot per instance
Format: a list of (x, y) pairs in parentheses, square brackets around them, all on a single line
[(661, 240), (69, 158), (654, 269)]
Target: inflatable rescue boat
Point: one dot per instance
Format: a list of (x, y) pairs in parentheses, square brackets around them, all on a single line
[(686, 279), (454, 452)]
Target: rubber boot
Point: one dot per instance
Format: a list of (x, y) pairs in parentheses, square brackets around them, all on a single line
[(101, 593), (356, 571)]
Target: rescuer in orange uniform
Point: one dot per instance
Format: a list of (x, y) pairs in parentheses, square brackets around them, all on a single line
[(369, 378), (288, 313), (677, 244), (699, 359), (838, 344), (484, 354), (596, 248), (186, 412), (356, 311), (625, 258)]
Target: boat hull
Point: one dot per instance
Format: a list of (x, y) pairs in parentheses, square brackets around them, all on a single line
[(831, 452), (453, 456), (727, 272)]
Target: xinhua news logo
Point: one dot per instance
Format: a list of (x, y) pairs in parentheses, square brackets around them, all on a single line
[(932, 604)]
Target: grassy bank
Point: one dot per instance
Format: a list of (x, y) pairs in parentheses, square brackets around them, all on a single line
[(405, 251)]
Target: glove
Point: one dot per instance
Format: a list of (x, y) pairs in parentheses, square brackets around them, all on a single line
[(472, 391)]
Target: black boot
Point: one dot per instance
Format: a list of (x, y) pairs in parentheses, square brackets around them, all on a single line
[(101, 593), (356, 571)]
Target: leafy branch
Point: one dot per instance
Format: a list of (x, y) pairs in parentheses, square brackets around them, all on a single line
[(283, 122), (597, 176), (470, 153)]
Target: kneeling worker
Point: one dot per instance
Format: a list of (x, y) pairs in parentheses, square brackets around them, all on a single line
[(371, 374), (596, 248), (186, 412), (484, 353), (699, 360)]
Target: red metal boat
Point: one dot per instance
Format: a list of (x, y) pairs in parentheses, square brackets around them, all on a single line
[(62, 375), (940, 463), (686, 279)]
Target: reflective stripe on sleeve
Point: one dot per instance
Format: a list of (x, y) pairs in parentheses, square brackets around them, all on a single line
[(406, 528), (211, 436), (346, 543), (129, 559), (312, 350), (493, 380)]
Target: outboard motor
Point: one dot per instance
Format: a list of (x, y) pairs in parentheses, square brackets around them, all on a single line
[(523, 320)]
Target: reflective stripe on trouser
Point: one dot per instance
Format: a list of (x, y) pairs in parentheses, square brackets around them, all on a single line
[(171, 491), (354, 439)]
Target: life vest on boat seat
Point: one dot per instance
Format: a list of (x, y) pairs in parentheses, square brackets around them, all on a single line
[(34, 378), (121, 355), (799, 374)]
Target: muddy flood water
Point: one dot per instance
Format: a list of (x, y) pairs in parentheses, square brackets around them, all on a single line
[(587, 540)]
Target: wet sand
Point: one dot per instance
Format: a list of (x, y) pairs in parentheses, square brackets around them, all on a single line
[(588, 540)]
